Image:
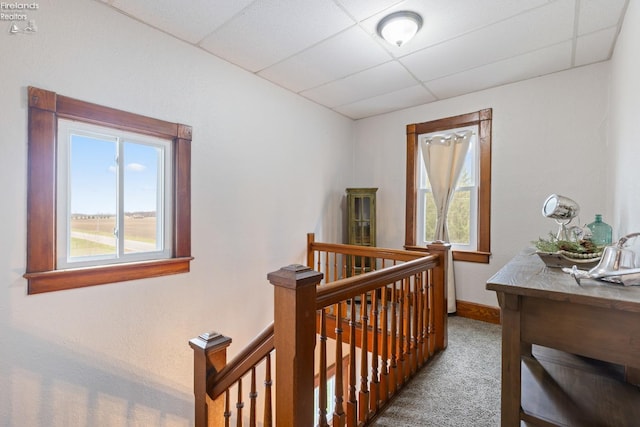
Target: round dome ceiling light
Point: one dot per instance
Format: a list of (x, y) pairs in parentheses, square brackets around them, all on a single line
[(399, 27)]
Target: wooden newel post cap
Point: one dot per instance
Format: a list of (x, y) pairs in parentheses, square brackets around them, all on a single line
[(295, 276), (210, 341)]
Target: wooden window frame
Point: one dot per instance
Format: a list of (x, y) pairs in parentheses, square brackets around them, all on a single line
[(45, 107), (482, 119)]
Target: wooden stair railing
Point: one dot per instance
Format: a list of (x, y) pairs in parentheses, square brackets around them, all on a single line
[(333, 260), (214, 378), (353, 341)]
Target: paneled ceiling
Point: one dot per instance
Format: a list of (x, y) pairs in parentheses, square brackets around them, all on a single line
[(328, 50)]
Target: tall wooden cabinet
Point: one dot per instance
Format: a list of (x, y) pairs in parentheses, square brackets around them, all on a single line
[(361, 216), (361, 221)]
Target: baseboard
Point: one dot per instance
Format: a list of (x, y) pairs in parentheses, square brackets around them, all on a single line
[(475, 311)]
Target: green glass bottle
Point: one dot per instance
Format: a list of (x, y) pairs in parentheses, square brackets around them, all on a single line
[(601, 233)]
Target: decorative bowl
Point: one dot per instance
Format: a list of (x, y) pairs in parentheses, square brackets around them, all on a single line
[(567, 259)]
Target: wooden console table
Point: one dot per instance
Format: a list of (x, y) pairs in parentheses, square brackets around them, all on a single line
[(566, 349)]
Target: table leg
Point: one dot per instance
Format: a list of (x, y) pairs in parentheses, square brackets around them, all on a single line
[(632, 375), (511, 361)]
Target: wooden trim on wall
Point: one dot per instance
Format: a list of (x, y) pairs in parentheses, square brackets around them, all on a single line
[(480, 257), (45, 107), (411, 191), (476, 311), (483, 119)]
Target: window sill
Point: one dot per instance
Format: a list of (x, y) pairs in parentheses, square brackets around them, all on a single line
[(468, 256), (57, 280), (472, 256)]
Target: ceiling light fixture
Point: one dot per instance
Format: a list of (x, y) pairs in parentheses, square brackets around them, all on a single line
[(399, 27)]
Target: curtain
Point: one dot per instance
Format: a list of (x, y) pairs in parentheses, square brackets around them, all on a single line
[(444, 157)]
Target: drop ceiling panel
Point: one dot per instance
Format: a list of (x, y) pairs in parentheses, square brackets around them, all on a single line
[(269, 31), (510, 70), (362, 9), (384, 78), (190, 21), (403, 98), (595, 47), (527, 32), (599, 14), (347, 53)]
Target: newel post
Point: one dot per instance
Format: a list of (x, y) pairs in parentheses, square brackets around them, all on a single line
[(311, 238), (209, 357), (294, 339), (440, 278)]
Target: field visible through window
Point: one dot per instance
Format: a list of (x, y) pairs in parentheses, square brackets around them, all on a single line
[(93, 235)]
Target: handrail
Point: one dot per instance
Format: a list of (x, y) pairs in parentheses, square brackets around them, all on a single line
[(350, 287), (367, 251), (242, 363)]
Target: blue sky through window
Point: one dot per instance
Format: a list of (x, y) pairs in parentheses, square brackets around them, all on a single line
[(140, 177), (93, 176)]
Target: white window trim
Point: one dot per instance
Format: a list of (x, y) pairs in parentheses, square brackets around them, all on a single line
[(422, 190), (165, 196)]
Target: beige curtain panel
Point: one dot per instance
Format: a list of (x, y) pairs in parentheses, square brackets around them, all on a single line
[(444, 157)]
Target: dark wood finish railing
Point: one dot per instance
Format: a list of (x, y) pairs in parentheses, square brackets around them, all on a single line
[(345, 339)]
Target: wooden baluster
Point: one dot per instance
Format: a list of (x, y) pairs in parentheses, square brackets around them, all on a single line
[(410, 327), (335, 267), (268, 382), (338, 411), (415, 340), (363, 398), (343, 258), (322, 386), (352, 403), (430, 329), (374, 388), (401, 330), (407, 331), (425, 311), (384, 349), (227, 409), (253, 395), (353, 265), (327, 256), (239, 405), (393, 372), (416, 319), (420, 310)]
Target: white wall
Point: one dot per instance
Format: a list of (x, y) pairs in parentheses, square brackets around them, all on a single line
[(625, 111), (549, 136), (267, 167)]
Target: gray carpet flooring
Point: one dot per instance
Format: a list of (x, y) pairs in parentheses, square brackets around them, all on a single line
[(460, 387)]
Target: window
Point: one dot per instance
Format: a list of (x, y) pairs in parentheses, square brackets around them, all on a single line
[(108, 195), (461, 218), (469, 212), (112, 205)]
